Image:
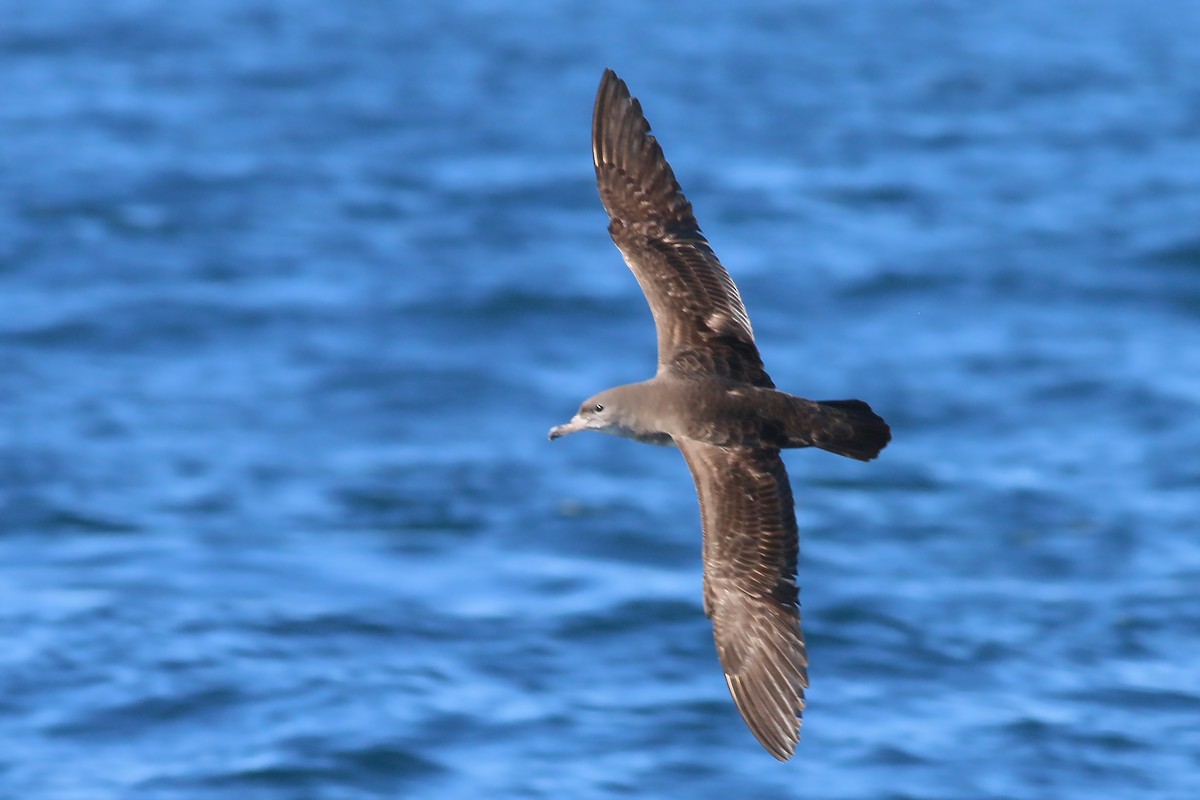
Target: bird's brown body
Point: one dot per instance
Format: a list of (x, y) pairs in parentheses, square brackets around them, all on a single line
[(730, 414)]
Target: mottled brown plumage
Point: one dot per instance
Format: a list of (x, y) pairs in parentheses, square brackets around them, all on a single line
[(712, 398)]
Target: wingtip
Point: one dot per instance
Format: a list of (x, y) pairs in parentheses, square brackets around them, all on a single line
[(639, 185), (776, 736), (782, 753), (610, 78), (762, 653), (612, 90)]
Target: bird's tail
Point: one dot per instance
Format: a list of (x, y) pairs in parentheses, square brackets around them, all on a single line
[(846, 427)]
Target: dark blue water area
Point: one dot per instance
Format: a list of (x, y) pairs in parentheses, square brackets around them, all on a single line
[(291, 293)]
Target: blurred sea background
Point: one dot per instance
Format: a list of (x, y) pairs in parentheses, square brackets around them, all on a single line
[(292, 291)]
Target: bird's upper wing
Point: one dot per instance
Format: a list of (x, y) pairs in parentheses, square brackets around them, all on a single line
[(702, 324), (750, 549)]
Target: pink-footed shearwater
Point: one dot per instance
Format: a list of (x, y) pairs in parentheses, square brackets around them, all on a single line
[(712, 398)]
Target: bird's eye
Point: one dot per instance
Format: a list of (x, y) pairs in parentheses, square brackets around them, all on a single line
[(597, 408)]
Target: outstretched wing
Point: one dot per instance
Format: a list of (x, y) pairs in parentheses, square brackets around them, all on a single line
[(702, 324), (750, 549)]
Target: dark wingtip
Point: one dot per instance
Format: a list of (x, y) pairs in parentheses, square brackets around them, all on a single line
[(608, 113), (609, 84), (636, 182), (766, 669), (774, 720)]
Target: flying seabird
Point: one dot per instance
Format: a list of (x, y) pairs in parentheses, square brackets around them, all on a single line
[(712, 398)]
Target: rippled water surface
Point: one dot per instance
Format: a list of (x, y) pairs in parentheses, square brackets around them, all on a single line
[(293, 291)]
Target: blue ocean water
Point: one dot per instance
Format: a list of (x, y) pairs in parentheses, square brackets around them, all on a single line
[(293, 291)]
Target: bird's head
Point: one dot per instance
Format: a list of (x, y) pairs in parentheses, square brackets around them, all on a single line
[(599, 413)]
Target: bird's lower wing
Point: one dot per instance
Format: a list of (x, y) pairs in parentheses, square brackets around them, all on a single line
[(750, 551)]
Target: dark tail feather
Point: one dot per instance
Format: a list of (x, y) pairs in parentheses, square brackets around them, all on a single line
[(850, 428)]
